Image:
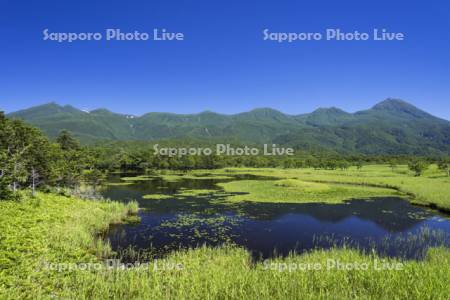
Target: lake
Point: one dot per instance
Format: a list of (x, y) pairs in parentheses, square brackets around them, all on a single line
[(391, 226)]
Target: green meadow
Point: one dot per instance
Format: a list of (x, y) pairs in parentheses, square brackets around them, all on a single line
[(431, 189), (299, 191)]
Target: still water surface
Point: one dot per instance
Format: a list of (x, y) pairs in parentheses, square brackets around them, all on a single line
[(391, 226)]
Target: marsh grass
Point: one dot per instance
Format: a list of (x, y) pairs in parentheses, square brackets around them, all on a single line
[(132, 207), (430, 189), (182, 194), (137, 178), (195, 192), (157, 196), (297, 191)]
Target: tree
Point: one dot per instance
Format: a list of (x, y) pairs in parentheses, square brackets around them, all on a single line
[(343, 165), (24, 155), (288, 163), (124, 160), (69, 168), (392, 164), (418, 166), (5, 182), (34, 180), (67, 141), (359, 165), (331, 164), (94, 177), (444, 165)]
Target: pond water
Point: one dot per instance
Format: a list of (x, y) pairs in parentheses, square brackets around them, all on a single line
[(391, 226)]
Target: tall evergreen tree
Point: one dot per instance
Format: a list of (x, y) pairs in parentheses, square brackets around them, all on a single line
[(67, 141)]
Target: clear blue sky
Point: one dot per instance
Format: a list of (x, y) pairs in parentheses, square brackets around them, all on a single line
[(223, 64)]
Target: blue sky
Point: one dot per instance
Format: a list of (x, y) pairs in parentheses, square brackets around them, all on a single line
[(224, 64)]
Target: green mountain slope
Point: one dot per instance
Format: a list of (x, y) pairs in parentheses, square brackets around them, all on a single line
[(391, 127)]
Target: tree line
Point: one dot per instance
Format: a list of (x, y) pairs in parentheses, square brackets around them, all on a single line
[(29, 160)]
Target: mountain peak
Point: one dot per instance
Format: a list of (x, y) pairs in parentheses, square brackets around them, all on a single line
[(325, 116), (399, 106), (393, 104), (266, 111), (101, 111), (330, 110), (207, 113), (263, 113), (43, 110), (52, 105)]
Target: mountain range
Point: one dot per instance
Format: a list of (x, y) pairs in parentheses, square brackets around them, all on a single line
[(392, 126)]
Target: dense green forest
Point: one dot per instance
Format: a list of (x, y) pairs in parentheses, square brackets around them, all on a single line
[(30, 160), (392, 127)]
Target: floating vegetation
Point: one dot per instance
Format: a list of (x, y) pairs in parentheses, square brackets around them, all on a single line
[(175, 177), (171, 177), (303, 185), (118, 183), (181, 194), (157, 196), (195, 192), (132, 220), (207, 176), (138, 178), (198, 229)]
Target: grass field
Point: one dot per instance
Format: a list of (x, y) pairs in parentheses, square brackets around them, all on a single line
[(431, 189), (52, 229), (299, 191)]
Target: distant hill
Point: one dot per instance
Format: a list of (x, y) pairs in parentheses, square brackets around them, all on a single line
[(392, 126)]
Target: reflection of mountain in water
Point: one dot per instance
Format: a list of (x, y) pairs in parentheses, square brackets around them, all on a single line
[(392, 214)]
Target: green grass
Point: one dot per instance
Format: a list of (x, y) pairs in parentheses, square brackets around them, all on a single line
[(297, 191), (200, 176), (157, 196), (180, 195), (431, 189), (57, 229), (51, 228), (195, 192), (174, 177), (228, 273), (137, 178)]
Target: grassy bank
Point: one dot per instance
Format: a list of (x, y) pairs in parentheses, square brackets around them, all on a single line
[(54, 229), (51, 228), (430, 189)]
